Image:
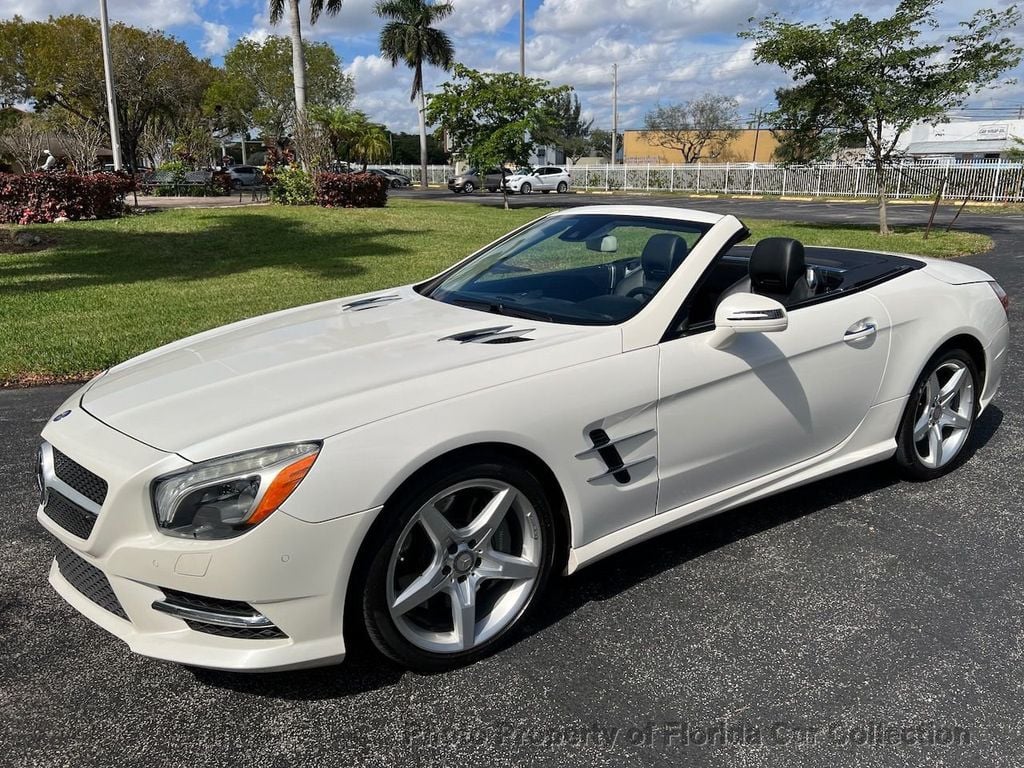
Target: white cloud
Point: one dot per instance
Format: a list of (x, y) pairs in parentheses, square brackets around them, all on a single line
[(215, 38), (480, 17), (159, 14)]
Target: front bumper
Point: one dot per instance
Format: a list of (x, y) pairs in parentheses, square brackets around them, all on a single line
[(292, 572)]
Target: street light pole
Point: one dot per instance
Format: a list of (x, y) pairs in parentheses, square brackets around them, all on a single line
[(615, 112), (108, 72), (522, 38)]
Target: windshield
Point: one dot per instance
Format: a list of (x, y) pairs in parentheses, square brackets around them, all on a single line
[(585, 269)]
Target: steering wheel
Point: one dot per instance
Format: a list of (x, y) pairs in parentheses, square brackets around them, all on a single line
[(641, 293)]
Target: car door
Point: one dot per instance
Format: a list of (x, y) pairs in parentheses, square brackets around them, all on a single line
[(768, 400), (543, 178)]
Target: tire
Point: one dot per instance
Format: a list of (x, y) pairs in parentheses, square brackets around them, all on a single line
[(562, 187), (526, 188), (449, 562), (939, 417), (468, 187), (395, 183)]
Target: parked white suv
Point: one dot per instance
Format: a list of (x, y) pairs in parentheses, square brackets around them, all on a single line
[(545, 179)]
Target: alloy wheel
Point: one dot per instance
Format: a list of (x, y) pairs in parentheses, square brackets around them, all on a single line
[(465, 566), (944, 414)]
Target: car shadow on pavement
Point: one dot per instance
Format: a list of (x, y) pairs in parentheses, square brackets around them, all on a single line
[(366, 670)]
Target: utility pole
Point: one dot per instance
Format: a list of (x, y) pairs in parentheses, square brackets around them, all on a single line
[(759, 116), (108, 71), (615, 112), (522, 38)]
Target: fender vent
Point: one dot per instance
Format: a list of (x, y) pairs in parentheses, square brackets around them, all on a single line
[(372, 303), (607, 448), (499, 334)]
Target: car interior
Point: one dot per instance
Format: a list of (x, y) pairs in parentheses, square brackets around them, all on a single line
[(603, 270)]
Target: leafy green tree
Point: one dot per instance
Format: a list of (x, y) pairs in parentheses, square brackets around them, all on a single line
[(493, 119), (410, 36), (352, 136), (298, 50), (256, 87), (55, 63), (881, 77), (406, 148), (697, 129), (570, 132), (601, 142)]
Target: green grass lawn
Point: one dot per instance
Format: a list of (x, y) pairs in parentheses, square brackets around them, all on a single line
[(107, 290)]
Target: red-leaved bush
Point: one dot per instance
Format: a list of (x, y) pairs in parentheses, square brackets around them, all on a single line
[(40, 198), (351, 190)]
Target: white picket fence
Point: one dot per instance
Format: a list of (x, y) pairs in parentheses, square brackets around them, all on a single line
[(989, 181)]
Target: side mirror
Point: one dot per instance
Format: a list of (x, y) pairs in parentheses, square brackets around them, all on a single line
[(747, 313)]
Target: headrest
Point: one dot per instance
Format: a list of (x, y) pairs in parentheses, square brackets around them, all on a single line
[(663, 253), (776, 264)]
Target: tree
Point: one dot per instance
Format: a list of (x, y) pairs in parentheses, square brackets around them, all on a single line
[(697, 129), (493, 119), (256, 87), (79, 139), (881, 77), (351, 135), (316, 7), (54, 63), (410, 36), (570, 132), (406, 149), (24, 139), (601, 142)]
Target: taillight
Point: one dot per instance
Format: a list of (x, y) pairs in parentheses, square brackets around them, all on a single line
[(1003, 298)]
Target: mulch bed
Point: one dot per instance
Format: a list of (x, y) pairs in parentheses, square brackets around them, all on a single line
[(35, 242)]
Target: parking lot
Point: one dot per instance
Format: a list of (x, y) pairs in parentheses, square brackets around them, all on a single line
[(861, 621)]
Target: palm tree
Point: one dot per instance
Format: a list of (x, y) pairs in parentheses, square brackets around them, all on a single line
[(410, 36), (316, 7)]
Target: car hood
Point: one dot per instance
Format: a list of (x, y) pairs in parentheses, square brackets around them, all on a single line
[(314, 371)]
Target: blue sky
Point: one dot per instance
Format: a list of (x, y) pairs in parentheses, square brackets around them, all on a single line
[(667, 50)]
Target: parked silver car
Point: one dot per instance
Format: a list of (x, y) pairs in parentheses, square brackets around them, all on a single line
[(245, 175), (471, 180)]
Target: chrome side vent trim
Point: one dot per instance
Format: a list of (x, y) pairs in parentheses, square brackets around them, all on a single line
[(606, 447), (371, 303), (499, 334)]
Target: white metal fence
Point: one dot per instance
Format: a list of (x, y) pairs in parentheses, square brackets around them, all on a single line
[(989, 181)]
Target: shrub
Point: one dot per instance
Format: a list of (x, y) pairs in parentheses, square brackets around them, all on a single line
[(40, 198), (351, 190), (292, 186)]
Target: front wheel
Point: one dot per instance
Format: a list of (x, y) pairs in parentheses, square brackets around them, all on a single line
[(526, 189), (458, 566), (939, 417), (468, 187)]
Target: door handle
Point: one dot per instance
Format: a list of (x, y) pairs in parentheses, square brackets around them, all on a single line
[(860, 331)]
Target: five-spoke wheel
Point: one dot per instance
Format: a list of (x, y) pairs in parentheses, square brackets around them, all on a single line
[(459, 568), (939, 416)]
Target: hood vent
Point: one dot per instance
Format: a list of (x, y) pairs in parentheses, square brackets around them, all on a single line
[(372, 303), (500, 334)]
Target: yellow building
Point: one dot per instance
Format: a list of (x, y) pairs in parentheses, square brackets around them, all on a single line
[(741, 149)]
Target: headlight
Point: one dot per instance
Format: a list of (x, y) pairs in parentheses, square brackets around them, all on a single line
[(225, 497)]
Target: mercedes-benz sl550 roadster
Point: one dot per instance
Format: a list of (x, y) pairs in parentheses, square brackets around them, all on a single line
[(414, 465)]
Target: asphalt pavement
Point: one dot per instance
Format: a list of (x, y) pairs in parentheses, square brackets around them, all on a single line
[(858, 621)]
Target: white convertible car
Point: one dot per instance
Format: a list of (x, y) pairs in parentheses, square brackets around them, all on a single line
[(415, 464)]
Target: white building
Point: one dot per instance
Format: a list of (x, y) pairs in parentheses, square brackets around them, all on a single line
[(963, 140)]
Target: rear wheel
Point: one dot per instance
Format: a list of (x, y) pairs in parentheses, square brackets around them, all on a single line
[(458, 566), (562, 187), (526, 188), (939, 417)]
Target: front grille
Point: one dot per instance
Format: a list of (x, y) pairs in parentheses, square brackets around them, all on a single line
[(89, 580), (68, 515), (90, 485)]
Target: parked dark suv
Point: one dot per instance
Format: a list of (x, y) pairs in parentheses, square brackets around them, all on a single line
[(470, 180)]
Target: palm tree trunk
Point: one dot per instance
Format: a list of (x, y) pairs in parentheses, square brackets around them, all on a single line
[(423, 140), (298, 69)]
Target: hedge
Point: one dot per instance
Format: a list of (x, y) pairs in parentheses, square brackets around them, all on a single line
[(351, 190), (40, 198)]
